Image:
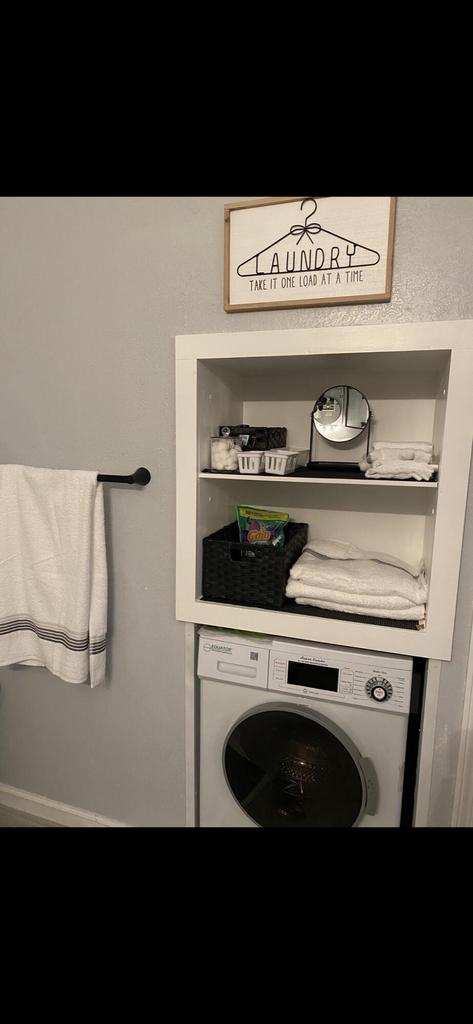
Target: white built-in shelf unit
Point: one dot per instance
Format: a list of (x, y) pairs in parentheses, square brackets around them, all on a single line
[(418, 379)]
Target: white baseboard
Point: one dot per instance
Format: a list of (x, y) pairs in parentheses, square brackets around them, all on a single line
[(51, 810)]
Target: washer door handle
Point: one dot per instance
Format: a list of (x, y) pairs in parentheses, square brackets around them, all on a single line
[(372, 788)]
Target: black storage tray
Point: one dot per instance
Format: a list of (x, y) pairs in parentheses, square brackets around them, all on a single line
[(231, 577)]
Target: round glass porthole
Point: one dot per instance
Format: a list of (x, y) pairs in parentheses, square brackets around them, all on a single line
[(287, 768)]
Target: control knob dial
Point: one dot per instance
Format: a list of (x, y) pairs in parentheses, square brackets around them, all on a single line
[(379, 689)]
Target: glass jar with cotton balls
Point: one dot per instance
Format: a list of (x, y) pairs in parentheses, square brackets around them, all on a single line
[(224, 454)]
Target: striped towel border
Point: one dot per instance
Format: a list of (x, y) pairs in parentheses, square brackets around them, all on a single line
[(54, 634)]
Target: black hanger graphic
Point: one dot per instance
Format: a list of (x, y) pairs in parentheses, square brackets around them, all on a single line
[(337, 257)]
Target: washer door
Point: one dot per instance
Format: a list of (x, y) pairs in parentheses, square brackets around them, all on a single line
[(290, 767)]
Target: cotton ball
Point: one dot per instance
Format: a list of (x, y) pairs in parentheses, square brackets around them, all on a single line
[(218, 453), (233, 456)]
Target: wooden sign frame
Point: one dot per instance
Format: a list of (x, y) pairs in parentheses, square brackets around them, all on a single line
[(338, 250)]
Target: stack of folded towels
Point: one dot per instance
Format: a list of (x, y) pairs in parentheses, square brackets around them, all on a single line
[(399, 460), (337, 575)]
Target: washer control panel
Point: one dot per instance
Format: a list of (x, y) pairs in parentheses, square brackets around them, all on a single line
[(340, 674), (359, 677)]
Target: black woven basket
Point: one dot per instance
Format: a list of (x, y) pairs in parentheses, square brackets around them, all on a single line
[(269, 437), (261, 439), (254, 574)]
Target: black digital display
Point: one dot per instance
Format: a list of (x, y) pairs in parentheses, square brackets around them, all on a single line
[(318, 677)]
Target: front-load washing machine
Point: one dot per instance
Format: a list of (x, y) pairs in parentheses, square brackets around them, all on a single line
[(297, 734)]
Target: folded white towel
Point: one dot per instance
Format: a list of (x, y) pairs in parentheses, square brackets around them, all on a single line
[(381, 586), (404, 454), (414, 613), (53, 572), (393, 602), (424, 446), (397, 469), (331, 559)]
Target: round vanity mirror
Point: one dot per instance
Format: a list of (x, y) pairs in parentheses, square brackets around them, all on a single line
[(341, 413)]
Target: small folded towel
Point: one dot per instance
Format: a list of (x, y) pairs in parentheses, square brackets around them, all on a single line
[(53, 572), (420, 446), (399, 460), (404, 454), (398, 469)]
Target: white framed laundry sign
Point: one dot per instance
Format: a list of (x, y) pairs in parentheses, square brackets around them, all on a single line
[(308, 251)]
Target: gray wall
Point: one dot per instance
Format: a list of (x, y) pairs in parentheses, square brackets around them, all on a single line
[(92, 292)]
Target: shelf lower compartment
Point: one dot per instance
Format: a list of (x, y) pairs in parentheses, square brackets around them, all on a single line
[(291, 607)]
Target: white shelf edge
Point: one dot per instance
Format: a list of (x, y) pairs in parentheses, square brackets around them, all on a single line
[(318, 480), (215, 606), (423, 643)]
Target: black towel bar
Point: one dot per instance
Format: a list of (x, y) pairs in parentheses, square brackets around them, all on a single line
[(140, 476)]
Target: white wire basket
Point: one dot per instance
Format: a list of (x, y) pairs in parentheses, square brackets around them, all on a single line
[(251, 462), (280, 462), (302, 456)]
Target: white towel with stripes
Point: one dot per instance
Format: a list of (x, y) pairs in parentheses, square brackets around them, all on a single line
[(53, 572)]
